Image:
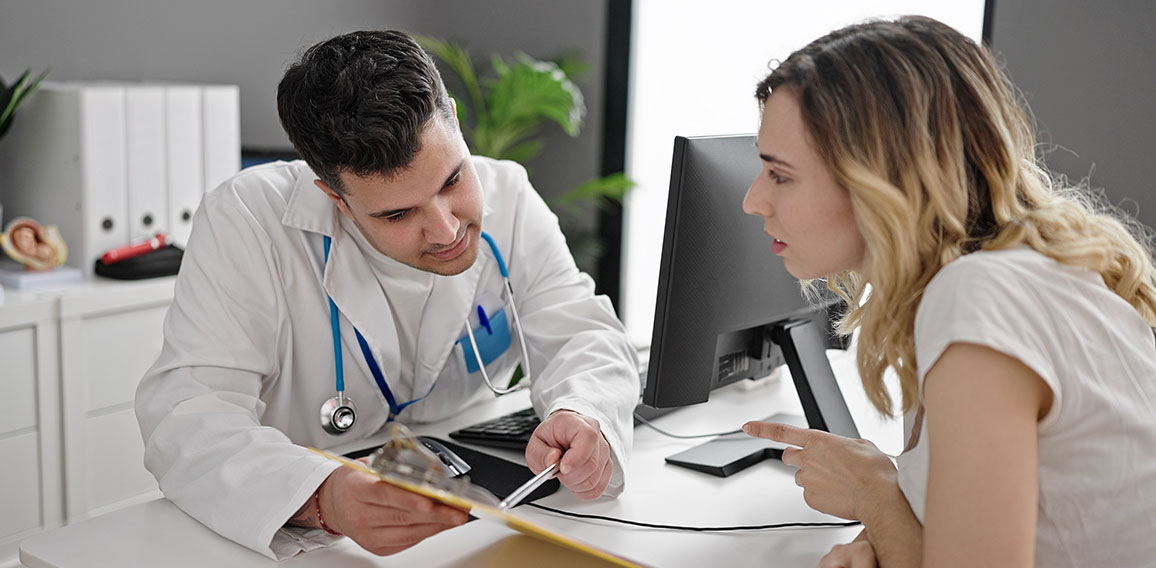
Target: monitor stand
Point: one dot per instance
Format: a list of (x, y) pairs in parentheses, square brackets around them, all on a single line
[(734, 452), (823, 405)]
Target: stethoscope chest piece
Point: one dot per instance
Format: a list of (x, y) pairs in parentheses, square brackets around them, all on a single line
[(338, 414)]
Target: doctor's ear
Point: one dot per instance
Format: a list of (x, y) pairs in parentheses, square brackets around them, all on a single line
[(337, 199)]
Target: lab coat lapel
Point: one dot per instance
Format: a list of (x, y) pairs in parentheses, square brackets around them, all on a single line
[(350, 282), (447, 311), (444, 320)]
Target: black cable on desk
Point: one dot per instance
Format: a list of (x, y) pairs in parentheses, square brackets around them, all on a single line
[(696, 529), (680, 436)]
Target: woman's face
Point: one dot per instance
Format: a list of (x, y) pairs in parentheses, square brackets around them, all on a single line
[(805, 211)]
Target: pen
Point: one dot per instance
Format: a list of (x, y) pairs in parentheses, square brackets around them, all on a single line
[(136, 249), (527, 488)]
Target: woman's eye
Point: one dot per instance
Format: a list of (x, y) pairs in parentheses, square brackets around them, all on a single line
[(776, 177)]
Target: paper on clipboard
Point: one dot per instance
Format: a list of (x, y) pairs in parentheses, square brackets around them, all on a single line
[(482, 504)]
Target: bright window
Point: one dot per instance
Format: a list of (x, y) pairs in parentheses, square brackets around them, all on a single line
[(694, 67)]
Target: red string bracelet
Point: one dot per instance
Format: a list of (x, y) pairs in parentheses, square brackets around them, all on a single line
[(320, 521)]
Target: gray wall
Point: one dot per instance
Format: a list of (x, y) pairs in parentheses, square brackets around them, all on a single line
[(249, 43), (1088, 72)]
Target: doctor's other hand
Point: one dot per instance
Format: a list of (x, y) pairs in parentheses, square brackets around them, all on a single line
[(839, 476), (577, 440), (382, 518)]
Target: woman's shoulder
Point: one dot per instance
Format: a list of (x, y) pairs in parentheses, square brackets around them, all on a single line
[(1017, 259), (985, 290), (1010, 272)]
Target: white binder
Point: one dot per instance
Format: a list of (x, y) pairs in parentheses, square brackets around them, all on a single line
[(221, 120), (184, 159), (63, 164), (146, 161)]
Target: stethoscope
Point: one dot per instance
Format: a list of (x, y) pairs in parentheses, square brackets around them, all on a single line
[(338, 413)]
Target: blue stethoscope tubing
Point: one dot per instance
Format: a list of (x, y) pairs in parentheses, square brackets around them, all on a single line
[(338, 413), (517, 324)]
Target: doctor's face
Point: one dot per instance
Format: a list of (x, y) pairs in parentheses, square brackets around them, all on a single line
[(805, 211), (427, 215)]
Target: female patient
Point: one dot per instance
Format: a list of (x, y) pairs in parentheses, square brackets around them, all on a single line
[(1018, 319)]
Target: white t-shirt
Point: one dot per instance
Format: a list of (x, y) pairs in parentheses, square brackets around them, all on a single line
[(1097, 444)]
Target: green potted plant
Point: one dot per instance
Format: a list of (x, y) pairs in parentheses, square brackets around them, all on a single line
[(12, 95), (502, 115)]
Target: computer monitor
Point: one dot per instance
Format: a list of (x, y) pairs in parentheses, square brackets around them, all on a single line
[(727, 309)]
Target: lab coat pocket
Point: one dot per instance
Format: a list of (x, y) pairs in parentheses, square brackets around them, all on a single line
[(495, 337), (492, 338)]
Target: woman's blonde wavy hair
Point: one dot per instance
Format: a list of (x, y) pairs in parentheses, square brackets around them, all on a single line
[(924, 130)]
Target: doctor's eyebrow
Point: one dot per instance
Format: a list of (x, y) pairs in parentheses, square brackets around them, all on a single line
[(450, 179)]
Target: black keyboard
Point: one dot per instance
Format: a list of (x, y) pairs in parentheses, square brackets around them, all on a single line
[(509, 431), (514, 430)]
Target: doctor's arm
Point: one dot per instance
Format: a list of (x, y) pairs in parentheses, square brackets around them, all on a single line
[(586, 379), (200, 406), (200, 409)]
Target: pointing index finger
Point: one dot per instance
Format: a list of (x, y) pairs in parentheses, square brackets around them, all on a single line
[(778, 432)]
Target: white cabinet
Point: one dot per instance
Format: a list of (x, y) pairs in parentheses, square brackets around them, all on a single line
[(31, 492), (70, 360), (110, 334)]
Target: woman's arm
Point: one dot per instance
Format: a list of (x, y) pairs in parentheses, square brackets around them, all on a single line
[(892, 528), (851, 479), (982, 491)]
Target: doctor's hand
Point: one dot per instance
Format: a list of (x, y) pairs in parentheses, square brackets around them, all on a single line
[(382, 518), (577, 440), (839, 476)]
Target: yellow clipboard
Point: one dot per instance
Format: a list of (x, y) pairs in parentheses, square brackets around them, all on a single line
[(484, 510)]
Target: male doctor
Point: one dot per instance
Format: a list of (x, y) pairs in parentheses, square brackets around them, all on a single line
[(385, 218)]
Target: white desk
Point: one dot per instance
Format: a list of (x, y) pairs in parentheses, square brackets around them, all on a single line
[(157, 533)]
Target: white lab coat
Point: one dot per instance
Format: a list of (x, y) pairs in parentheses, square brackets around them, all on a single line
[(248, 354)]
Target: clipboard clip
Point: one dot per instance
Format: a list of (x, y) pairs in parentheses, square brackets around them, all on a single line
[(403, 456)]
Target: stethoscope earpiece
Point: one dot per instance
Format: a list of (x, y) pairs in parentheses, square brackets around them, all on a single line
[(338, 414)]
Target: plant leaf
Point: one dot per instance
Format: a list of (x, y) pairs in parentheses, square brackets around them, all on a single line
[(495, 140), (586, 248), (30, 87), (613, 187), (10, 93), (12, 97), (528, 90), (525, 151), (572, 64), (458, 60), (6, 89)]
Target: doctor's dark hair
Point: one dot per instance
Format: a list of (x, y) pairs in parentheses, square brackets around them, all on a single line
[(359, 102), (938, 156)]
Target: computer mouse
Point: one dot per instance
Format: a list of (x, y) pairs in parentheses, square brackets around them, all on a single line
[(453, 462)]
